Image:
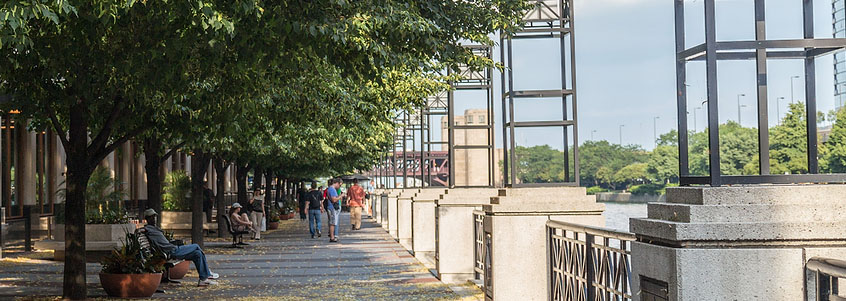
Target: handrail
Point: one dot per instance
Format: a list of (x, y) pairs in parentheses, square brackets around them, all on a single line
[(597, 231), (828, 266)]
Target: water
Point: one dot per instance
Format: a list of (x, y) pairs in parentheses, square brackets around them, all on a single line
[(617, 215)]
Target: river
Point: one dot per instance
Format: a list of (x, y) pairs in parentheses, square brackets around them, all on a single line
[(617, 215)]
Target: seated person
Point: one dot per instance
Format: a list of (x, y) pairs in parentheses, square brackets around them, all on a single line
[(190, 252), (240, 221)]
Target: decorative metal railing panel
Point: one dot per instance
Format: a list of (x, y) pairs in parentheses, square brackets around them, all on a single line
[(479, 253), (588, 263)]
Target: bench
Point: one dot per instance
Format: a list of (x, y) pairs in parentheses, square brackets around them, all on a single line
[(237, 236), (146, 246)]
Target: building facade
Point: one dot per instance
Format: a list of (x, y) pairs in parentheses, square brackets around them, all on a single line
[(471, 165), (839, 30)]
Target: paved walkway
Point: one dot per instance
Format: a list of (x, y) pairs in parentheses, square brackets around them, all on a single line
[(286, 264)]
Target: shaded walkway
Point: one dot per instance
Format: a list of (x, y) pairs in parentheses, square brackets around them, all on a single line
[(285, 264)]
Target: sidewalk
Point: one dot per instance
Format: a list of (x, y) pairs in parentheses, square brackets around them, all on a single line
[(286, 264)]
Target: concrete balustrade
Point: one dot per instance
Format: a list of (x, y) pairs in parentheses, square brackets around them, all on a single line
[(404, 217), (454, 241), (391, 226), (423, 224), (515, 222), (737, 243)]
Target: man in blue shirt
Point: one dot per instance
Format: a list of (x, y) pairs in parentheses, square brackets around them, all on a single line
[(334, 208)]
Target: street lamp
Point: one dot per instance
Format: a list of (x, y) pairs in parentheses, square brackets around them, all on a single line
[(792, 99), (621, 134), (695, 127), (655, 130), (591, 134), (738, 108), (778, 108)]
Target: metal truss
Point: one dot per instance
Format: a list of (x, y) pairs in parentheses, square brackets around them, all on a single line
[(808, 49), (435, 105), (548, 19), (478, 80)]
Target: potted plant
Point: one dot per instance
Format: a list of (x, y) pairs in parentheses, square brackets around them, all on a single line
[(273, 220), (176, 202), (130, 272)]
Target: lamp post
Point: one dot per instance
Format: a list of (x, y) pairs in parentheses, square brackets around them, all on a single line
[(655, 130), (792, 98), (591, 134), (738, 108), (621, 134), (695, 126), (778, 108)]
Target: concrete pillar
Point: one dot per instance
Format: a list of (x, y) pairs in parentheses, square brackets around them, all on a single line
[(383, 199), (140, 177), (25, 183), (515, 223), (59, 168), (739, 243), (423, 224), (454, 240), (376, 205), (228, 183), (125, 164), (392, 212), (404, 217)]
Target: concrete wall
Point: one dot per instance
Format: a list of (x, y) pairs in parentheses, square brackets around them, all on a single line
[(629, 198)]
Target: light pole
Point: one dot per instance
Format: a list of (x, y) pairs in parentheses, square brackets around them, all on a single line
[(738, 108), (792, 98), (655, 130), (591, 134), (778, 108), (695, 127), (621, 134)]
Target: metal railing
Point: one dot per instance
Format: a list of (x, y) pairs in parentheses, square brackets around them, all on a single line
[(482, 253), (588, 263), (828, 273)]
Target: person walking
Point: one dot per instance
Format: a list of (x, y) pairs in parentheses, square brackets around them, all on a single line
[(208, 201), (334, 209), (257, 212), (191, 252), (314, 206), (356, 202), (302, 196)]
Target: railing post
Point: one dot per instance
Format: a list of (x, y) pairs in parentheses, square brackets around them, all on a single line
[(27, 228), (591, 291), (549, 276)]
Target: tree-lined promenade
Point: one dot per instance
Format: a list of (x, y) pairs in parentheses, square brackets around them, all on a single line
[(291, 88)]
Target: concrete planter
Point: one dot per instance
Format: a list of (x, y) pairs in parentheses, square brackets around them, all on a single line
[(98, 233), (172, 217)]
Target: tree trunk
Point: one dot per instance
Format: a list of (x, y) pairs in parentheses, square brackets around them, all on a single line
[(74, 286), (199, 167), (268, 182), (152, 165), (257, 173), (220, 169), (74, 273), (241, 181)]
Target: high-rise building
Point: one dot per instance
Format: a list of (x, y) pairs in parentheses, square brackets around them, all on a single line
[(839, 30), (471, 165)]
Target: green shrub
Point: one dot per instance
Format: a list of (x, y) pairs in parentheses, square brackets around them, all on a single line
[(102, 200), (176, 189), (651, 189), (130, 259), (595, 189)]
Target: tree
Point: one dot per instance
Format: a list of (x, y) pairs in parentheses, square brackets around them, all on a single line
[(632, 173), (833, 151), (663, 164), (788, 144)]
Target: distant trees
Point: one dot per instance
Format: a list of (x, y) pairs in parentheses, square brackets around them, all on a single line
[(616, 166)]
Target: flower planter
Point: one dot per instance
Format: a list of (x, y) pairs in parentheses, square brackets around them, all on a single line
[(130, 285), (284, 217), (272, 225), (290, 215), (179, 270)]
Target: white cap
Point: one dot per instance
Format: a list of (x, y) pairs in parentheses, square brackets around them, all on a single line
[(150, 212), (237, 205)]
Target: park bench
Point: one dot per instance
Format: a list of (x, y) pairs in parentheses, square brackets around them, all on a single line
[(146, 246), (237, 236)]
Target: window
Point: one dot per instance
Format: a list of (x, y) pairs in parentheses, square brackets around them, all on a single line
[(469, 119), (481, 119)]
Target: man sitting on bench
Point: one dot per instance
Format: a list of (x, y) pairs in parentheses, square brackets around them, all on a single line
[(190, 252)]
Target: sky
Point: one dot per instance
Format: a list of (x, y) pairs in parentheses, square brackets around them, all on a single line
[(625, 71)]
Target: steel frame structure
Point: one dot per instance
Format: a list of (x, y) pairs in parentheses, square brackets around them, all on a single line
[(473, 80), (435, 105), (761, 49), (549, 19)]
